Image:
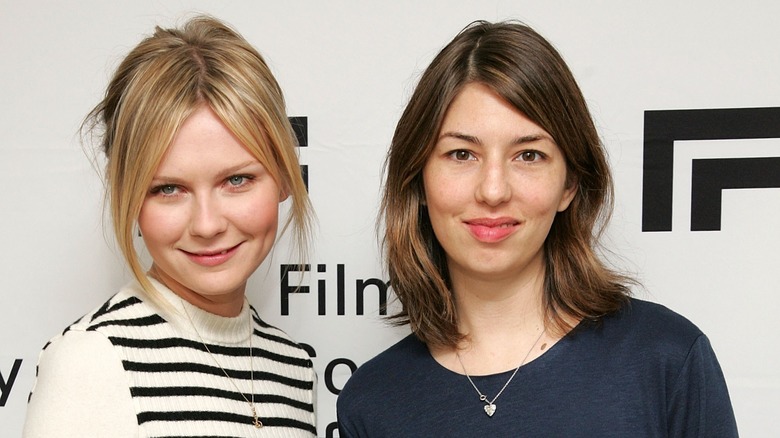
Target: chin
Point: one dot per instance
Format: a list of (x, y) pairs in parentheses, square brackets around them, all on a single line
[(217, 287)]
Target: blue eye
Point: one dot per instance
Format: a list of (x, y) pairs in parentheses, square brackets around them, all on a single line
[(164, 189), (240, 181), (236, 180)]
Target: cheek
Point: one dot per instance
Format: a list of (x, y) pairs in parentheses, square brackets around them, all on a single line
[(265, 221), (443, 209), (159, 225), (260, 216), (443, 194), (439, 209), (544, 208), (544, 196)]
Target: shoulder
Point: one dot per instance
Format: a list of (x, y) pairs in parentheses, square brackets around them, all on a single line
[(83, 348), (379, 384), (652, 323), (645, 334), (402, 361), (397, 359), (62, 404), (108, 313), (655, 314), (126, 308), (75, 351), (86, 347), (278, 341), (697, 401)]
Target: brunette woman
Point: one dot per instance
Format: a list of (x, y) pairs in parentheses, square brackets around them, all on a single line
[(497, 188)]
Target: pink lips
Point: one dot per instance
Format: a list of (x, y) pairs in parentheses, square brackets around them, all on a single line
[(212, 258), (492, 229)]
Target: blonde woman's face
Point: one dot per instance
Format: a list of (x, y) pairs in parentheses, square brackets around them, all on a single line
[(210, 216)]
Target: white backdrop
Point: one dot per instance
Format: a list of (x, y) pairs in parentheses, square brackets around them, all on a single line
[(349, 67)]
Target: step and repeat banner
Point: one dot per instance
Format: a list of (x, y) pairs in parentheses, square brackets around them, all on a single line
[(685, 94)]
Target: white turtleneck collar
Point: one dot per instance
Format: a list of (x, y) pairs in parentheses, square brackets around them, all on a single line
[(212, 328)]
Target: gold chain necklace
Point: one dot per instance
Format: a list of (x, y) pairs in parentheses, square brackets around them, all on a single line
[(256, 421), (490, 405)]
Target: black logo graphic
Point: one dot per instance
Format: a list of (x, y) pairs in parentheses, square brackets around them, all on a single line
[(289, 287), (7, 384), (300, 125), (708, 176)]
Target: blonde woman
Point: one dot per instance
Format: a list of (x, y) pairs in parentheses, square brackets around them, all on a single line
[(200, 154), (497, 185)]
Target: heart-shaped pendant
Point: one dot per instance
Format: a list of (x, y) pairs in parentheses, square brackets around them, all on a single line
[(490, 409)]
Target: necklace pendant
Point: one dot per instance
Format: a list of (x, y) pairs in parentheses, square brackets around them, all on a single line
[(490, 409), (257, 423)]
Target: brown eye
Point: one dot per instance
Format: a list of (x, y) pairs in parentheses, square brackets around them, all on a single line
[(461, 155), (529, 156)]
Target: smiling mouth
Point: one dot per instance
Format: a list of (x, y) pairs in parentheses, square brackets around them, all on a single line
[(212, 259), (491, 230), (211, 253), (493, 223), (206, 254)]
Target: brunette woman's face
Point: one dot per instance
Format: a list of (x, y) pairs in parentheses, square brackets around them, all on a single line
[(493, 185), (211, 213)]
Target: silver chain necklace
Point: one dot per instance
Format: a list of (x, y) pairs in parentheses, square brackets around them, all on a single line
[(490, 405), (256, 421)]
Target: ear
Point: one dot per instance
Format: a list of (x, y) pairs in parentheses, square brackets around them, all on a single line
[(283, 195), (422, 195), (284, 188), (568, 195)]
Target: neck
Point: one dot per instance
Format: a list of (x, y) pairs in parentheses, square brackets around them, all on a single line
[(228, 305), (222, 307), (497, 309), (502, 320)]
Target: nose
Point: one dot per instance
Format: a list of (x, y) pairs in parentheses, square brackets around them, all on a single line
[(494, 187), (207, 219)]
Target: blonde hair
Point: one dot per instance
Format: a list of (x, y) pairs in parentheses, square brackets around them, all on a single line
[(160, 83)]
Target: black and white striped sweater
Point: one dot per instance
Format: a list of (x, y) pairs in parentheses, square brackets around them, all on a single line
[(130, 368)]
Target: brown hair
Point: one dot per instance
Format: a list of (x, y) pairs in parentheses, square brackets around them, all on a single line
[(163, 80), (525, 70)]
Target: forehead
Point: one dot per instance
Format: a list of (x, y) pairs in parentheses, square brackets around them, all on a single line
[(203, 144), (477, 109)]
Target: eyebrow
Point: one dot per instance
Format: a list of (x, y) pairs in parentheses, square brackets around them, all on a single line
[(475, 140), (223, 174)]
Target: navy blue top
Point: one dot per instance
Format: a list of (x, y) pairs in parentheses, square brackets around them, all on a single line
[(642, 372)]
